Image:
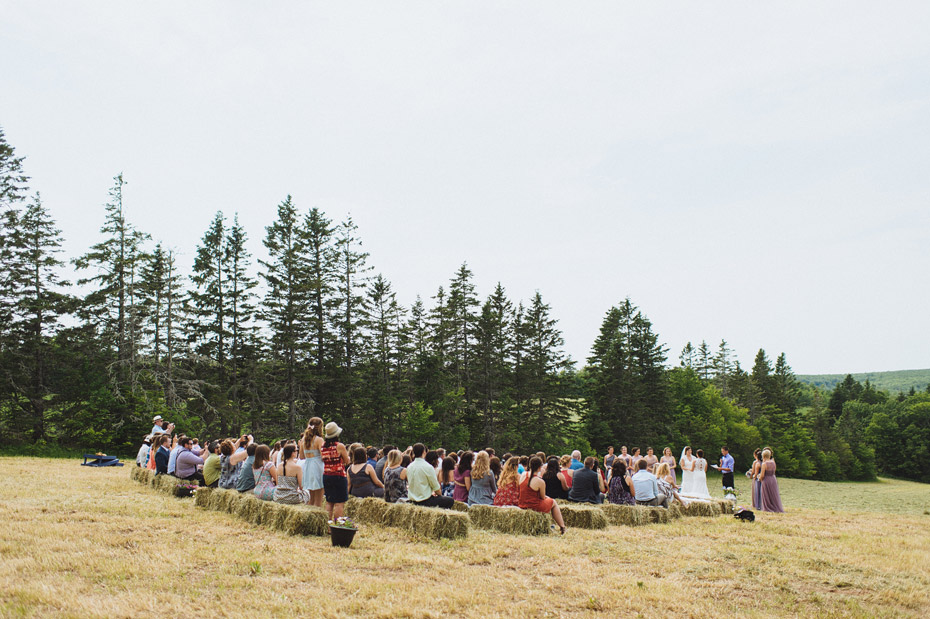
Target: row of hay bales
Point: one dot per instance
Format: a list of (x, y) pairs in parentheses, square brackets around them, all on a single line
[(430, 522), (162, 483), (427, 521), (290, 519)]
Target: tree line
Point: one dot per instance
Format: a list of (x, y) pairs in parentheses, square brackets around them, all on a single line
[(238, 344)]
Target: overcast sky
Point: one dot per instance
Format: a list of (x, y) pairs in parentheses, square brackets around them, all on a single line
[(748, 171)]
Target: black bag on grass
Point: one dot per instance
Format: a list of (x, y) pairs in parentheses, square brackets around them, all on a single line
[(744, 514)]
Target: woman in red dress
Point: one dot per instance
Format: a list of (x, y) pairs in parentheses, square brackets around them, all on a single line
[(533, 494)]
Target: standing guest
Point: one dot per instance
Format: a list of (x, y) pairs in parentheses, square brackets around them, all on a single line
[(335, 458), (289, 489), (769, 496), (669, 459), (576, 464), (651, 460), (565, 463), (379, 467), (173, 457), (422, 485), (161, 426), (446, 476), (620, 491), (587, 485), (395, 478), (508, 486), (162, 453), (726, 467), (555, 483), (142, 457), (626, 458), (646, 487), (310, 445), (495, 464), (362, 480), (483, 483), (264, 474), (212, 465), (462, 477), (609, 458), (754, 478), (187, 462), (635, 458), (246, 481), (533, 494)]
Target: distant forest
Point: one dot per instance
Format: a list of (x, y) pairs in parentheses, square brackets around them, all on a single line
[(238, 345), (906, 381)]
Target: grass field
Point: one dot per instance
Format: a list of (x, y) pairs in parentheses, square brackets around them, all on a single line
[(81, 542)]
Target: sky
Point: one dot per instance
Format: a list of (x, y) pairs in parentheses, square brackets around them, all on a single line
[(742, 171)]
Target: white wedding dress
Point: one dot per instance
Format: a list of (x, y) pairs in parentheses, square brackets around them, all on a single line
[(687, 477), (698, 488)]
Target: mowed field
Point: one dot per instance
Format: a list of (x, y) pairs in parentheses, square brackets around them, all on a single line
[(82, 542)]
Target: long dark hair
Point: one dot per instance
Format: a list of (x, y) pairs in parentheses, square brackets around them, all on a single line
[(534, 465), (618, 471), (262, 454), (552, 469), (465, 462), (448, 465)]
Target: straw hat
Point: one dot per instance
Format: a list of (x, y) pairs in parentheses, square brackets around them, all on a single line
[(332, 430)]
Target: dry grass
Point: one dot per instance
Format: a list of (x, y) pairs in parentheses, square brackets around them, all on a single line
[(99, 546)]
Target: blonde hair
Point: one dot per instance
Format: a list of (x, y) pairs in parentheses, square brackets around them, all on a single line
[(662, 470), (394, 458), (482, 465), (510, 474), (565, 461), (766, 454)]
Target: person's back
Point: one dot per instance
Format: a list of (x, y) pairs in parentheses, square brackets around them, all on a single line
[(585, 487), (173, 459), (482, 490), (645, 485), (161, 461), (246, 478)]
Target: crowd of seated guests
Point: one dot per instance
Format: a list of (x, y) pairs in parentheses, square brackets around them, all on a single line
[(318, 465)]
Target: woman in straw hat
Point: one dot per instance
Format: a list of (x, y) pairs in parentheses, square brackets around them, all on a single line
[(335, 458)]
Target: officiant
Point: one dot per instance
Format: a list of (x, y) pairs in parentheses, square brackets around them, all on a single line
[(726, 467)]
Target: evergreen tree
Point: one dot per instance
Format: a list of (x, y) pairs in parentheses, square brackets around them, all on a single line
[(723, 367), (493, 347), (36, 309), (319, 237), (111, 307), (243, 333), (286, 308)]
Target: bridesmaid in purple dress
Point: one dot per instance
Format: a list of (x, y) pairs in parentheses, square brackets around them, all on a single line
[(754, 477), (769, 498)]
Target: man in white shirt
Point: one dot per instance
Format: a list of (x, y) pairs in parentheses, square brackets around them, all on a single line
[(646, 487), (160, 426)]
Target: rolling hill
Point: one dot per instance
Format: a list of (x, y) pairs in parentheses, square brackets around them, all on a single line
[(892, 382)]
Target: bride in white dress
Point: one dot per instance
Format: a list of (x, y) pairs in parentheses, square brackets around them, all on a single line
[(698, 488), (686, 462)]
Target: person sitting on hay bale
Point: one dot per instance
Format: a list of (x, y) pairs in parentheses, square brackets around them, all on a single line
[(246, 481), (188, 464), (162, 454), (212, 465), (533, 494), (395, 478), (362, 479), (143, 456), (483, 484), (422, 486), (289, 489), (587, 484), (621, 490), (264, 474), (646, 487), (508, 486)]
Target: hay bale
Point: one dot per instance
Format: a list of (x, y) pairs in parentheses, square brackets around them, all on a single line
[(658, 515), (625, 515), (459, 506), (305, 520), (250, 508), (579, 517), (273, 515), (700, 509), (202, 497), (725, 507), (674, 510), (509, 520), (430, 522)]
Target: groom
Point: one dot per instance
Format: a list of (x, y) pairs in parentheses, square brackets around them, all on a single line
[(726, 467)]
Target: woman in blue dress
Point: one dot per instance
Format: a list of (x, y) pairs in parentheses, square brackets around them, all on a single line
[(310, 445)]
